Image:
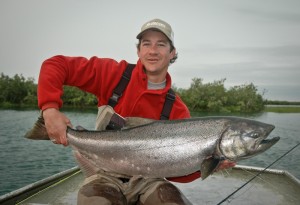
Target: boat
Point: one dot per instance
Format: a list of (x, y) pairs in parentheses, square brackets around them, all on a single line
[(239, 185)]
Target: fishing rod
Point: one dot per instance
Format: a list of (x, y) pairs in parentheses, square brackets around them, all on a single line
[(260, 172)]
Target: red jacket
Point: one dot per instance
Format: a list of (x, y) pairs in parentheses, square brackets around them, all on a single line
[(100, 76)]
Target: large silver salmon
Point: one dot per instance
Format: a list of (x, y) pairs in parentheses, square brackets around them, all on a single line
[(166, 148)]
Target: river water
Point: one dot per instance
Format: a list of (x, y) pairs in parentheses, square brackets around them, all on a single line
[(25, 161)]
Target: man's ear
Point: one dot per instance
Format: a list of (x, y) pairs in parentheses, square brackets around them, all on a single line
[(173, 53), (138, 52)]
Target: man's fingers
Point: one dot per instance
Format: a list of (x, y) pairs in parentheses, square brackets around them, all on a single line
[(64, 140), (53, 140), (56, 125), (225, 165)]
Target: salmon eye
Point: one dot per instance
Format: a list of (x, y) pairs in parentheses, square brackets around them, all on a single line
[(254, 135)]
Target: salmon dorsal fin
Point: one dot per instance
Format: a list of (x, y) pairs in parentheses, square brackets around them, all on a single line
[(79, 127), (131, 122)]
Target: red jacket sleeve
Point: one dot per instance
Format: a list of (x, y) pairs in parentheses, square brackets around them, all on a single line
[(86, 74), (187, 178)]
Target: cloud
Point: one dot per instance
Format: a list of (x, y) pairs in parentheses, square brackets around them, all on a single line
[(271, 11), (242, 41), (275, 82), (275, 69)]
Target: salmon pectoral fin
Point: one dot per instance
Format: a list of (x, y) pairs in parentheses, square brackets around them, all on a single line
[(208, 166), (87, 167)]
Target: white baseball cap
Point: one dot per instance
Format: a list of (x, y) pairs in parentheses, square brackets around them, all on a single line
[(160, 25)]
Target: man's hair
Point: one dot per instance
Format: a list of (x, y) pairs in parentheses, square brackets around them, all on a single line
[(171, 49)]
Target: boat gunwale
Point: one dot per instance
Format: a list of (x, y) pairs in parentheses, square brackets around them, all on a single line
[(271, 171), (29, 190), (35, 188)]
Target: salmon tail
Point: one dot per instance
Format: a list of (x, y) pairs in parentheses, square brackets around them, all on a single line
[(38, 132)]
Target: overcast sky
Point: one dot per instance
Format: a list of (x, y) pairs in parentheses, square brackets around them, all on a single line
[(243, 41)]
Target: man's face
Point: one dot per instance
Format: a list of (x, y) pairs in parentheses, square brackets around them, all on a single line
[(154, 53)]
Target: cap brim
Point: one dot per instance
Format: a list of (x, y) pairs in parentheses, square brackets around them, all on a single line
[(139, 36)]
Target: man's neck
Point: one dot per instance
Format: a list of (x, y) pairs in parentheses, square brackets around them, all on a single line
[(156, 86), (156, 77)]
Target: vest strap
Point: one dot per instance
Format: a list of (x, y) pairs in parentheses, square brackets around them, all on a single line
[(118, 91), (170, 98)]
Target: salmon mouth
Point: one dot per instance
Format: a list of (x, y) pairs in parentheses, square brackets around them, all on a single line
[(267, 143), (263, 143)]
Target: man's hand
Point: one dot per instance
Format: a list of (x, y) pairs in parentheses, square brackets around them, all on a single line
[(225, 165), (56, 124)]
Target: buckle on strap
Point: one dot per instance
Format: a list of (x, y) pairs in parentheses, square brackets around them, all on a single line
[(115, 97), (113, 100), (170, 96)]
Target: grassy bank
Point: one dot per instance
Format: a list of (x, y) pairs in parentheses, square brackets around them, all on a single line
[(282, 109), (267, 108)]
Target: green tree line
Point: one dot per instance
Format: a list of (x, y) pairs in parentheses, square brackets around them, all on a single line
[(214, 97), (199, 97), (18, 91)]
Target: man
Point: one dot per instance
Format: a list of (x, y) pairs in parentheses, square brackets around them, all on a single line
[(144, 96)]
